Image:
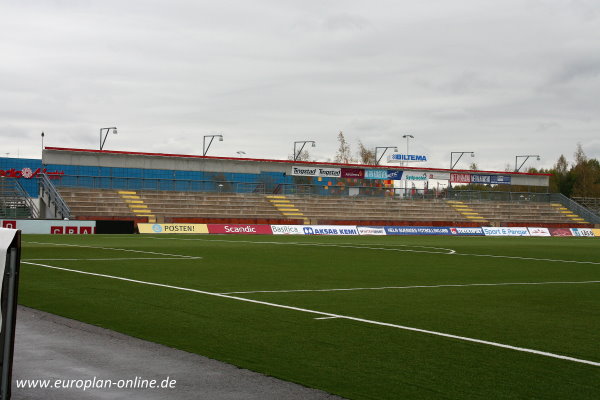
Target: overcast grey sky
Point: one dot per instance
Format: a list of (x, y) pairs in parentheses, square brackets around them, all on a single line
[(500, 78)]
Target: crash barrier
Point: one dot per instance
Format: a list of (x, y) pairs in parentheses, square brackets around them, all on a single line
[(10, 256)]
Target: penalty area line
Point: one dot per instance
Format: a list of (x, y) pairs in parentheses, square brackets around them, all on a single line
[(331, 315)]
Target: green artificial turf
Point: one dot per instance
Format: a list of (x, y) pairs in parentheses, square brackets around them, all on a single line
[(354, 359)]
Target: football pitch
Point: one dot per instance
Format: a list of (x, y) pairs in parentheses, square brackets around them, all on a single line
[(364, 317)]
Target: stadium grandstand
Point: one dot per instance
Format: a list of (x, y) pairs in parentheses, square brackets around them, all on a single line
[(81, 184)]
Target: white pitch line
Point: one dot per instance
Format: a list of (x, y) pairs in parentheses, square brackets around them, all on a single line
[(325, 314), (412, 287), (105, 259), (327, 317), (117, 249), (342, 245), (449, 252)]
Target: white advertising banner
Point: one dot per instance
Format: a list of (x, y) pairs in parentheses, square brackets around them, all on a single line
[(415, 176), (586, 232), (316, 171), (443, 176), (371, 230), (329, 230), (539, 231), (6, 238), (505, 231), (287, 229), (52, 226)]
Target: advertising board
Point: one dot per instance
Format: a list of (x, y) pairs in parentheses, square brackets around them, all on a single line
[(399, 157), (371, 230), (353, 173), (417, 230), (287, 229), (467, 231), (560, 232), (500, 180), (172, 228), (482, 179), (586, 232), (329, 230), (596, 232), (539, 232), (505, 231), (240, 229), (316, 171), (50, 226), (390, 174), (460, 178), (444, 176), (415, 176)]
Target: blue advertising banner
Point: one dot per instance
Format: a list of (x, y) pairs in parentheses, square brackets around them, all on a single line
[(392, 174), (500, 180), (417, 230), (485, 179)]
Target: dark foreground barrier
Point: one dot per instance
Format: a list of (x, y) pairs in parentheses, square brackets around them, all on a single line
[(10, 257)]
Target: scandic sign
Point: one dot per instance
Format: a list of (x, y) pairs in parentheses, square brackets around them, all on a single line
[(240, 229)]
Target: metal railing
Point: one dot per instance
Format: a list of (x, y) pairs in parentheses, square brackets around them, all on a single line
[(15, 201), (48, 189), (577, 208)]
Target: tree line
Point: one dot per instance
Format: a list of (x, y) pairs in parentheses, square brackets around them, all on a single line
[(580, 178)]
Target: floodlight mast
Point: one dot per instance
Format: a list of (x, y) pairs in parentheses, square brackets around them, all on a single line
[(385, 148), (526, 157), (459, 157), (212, 137), (114, 131), (297, 154)]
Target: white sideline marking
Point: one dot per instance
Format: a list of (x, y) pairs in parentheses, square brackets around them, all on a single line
[(343, 245), (111, 248), (412, 287), (325, 314), (448, 251), (326, 317), (106, 259)]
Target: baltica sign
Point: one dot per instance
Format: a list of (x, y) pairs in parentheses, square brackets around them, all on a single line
[(397, 157)]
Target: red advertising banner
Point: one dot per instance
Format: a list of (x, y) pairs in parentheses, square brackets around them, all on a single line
[(240, 229), (9, 224), (460, 178), (353, 173), (57, 230), (560, 232)]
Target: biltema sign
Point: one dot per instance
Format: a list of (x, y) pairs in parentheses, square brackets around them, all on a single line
[(317, 171), (460, 178), (398, 157)]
